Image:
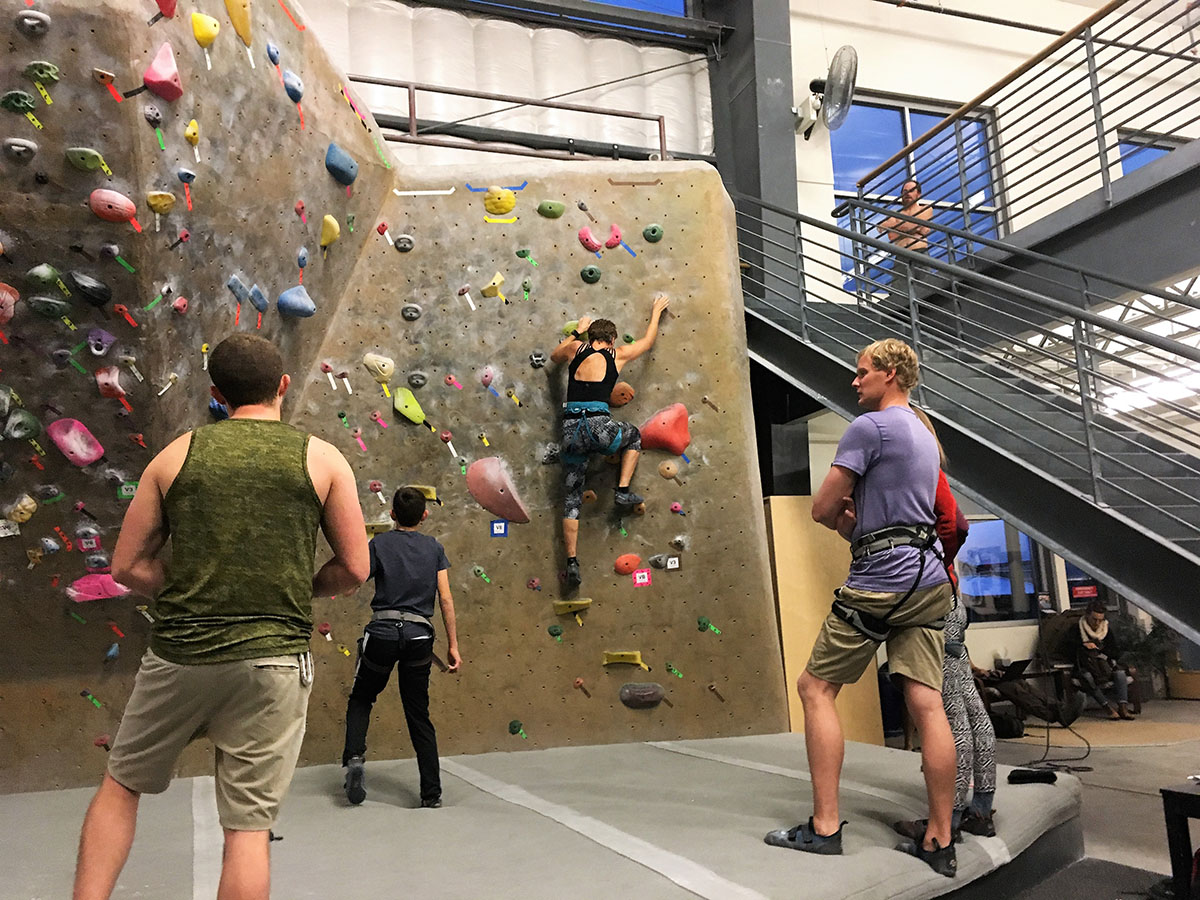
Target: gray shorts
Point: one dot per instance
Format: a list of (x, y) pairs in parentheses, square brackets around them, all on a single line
[(253, 711)]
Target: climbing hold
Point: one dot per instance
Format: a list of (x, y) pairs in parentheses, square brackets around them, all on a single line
[(567, 607), (22, 425), (295, 91), (204, 29), (534, 584), (108, 380), (272, 53), (622, 393), (490, 483), (44, 275), (96, 587), (668, 469), (152, 114), (9, 296), (642, 694), (405, 403), (295, 301), (18, 101), (677, 508), (240, 292), (653, 233), (624, 657), (551, 209), (260, 301), (162, 75), (217, 410), (410, 312), (382, 368), (555, 631), (492, 288), (418, 380), (614, 237), (405, 243), (515, 728), (75, 442), (40, 71), (589, 496), (160, 202), (667, 430), (85, 159), (590, 274), (626, 563), (99, 341), (302, 257), (499, 201), (659, 560), (50, 307), (191, 132), (538, 358), (180, 305), (111, 206), (20, 150), (93, 290), (341, 165), (166, 8), (22, 509), (32, 23), (330, 231), (588, 240), (487, 376), (239, 15)]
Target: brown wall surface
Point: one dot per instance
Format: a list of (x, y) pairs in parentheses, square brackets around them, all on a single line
[(256, 163)]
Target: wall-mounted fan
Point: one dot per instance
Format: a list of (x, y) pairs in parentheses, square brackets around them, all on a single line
[(831, 96)]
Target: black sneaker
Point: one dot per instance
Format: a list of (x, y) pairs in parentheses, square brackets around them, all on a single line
[(356, 788), (941, 859), (574, 578), (804, 837), (914, 830), (431, 803), (974, 823), (626, 497)]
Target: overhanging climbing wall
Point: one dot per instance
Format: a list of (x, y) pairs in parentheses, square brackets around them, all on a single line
[(266, 186)]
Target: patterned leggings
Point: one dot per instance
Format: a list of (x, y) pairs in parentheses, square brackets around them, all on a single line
[(583, 437), (974, 737)]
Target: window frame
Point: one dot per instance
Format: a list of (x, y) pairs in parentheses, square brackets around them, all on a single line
[(1038, 574)]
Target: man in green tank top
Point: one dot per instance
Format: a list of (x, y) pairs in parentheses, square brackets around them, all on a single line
[(240, 502)]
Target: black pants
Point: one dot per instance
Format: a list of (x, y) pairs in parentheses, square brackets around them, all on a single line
[(408, 647)]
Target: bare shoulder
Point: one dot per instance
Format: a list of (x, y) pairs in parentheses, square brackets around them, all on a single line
[(167, 462), (325, 465)]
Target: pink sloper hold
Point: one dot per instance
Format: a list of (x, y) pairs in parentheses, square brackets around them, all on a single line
[(491, 485), (75, 441), (667, 429), (96, 587), (162, 76), (111, 206)]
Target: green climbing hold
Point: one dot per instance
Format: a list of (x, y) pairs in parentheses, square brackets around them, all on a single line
[(515, 727), (590, 274), (551, 209), (555, 631), (40, 70), (629, 339), (85, 159), (17, 101), (653, 233), (50, 307), (45, 275)]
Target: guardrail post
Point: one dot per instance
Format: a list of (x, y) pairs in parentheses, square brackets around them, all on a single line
[(1094, 84), (961, 156), (912, 319), (798, 237), (858, 226), (1083, 366)]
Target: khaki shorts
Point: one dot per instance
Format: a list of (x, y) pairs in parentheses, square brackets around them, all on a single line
[(253, 711), (841, 653)]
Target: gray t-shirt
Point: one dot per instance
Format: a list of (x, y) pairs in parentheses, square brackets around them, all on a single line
[(405, 566), (896, 460)]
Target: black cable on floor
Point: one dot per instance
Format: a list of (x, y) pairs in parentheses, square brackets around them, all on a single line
[(1063, 763)]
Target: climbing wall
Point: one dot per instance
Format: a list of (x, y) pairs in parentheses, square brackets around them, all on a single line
[(413, 308)]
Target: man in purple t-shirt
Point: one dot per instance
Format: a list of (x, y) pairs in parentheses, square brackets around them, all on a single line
[(879, 497)]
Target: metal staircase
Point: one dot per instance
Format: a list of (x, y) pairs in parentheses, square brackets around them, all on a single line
[(1065, 403)]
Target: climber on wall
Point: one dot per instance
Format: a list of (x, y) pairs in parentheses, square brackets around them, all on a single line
[(588, 428)]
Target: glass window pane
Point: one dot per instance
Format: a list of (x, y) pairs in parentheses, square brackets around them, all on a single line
[(869, 135), (1135, 155), (985, 573), (665, 7)]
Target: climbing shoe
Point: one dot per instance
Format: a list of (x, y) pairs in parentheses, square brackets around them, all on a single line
[(941, 859), (974, 823), (431, 803), (804, 837), (574, 578), (356, 778), (626, 497), (914, 830)]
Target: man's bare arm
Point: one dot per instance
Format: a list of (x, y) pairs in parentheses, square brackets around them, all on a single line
[(342, 524), (833, 500), (144, 531)]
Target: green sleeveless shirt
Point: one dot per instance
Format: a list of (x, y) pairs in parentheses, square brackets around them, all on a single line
[(243, 517)]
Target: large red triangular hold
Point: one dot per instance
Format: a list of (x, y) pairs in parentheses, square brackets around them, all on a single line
[(167, 7), (491, 485), (667, 429), (162, 76)]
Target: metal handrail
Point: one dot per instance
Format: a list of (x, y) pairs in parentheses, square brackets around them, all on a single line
[(1095, 86)]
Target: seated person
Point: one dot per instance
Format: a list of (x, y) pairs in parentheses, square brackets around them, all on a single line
[(1028, 700), (1096, 662)]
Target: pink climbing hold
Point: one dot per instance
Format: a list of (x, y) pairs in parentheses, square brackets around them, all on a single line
[(614, 237), (667, 429), (588, 239), (491, 485), (626, 563), (75, 441), (9, 296), (96, 587), (162, 76), (111, 206)]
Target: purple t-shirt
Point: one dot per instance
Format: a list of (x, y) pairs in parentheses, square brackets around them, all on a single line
[(896, 460)]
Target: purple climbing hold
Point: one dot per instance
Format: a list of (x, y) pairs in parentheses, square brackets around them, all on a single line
[(99, 341), (296, 302), (341, 165)]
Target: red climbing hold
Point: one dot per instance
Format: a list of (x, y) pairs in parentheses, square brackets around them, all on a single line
[(627, 563), (667, 429), (167, 7), (162, 76), (491, 485), (614, 237)]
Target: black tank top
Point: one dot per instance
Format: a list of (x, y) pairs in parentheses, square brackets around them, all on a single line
[(591, 391)]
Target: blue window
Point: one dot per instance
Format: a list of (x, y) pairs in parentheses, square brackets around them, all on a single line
[(994, 582), (662, 7), (1135, 154)]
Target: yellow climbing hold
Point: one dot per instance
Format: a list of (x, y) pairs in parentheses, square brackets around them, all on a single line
[(160, 202), (428, 491), (406, 404), (192, 132), (205, 29), (330, 230), (492, 288), (239, 15), (499, 201)]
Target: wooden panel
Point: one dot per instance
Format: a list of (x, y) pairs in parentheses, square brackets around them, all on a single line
[(809, 562)]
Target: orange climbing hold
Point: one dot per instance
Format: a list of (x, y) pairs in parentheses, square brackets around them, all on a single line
[(491, 485), (627, 563), (667, 429), (622, 393)]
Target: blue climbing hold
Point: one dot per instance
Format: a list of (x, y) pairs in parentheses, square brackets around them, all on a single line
[(272, 53), (259, 299), (187, 176), (302, 257), (296, 302), (341, 165), (217, 409), (293, 85), (238, 288)]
